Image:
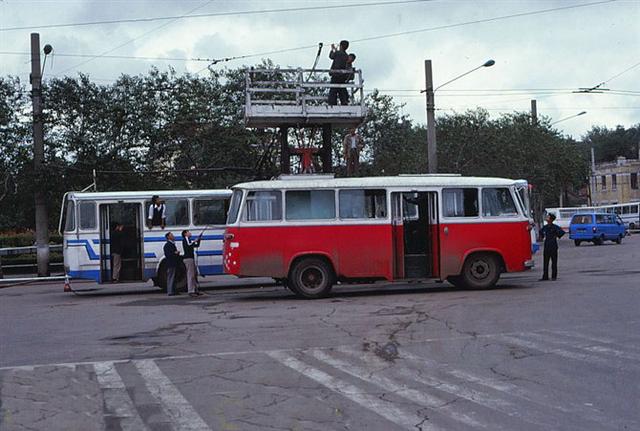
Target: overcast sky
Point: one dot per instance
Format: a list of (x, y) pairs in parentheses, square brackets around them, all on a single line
[(560, 50)]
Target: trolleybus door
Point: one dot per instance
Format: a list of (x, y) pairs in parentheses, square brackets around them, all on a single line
[(397, 235), (105, 247)]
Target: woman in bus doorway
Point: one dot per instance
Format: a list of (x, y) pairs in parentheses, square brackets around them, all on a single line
[(550, 232)]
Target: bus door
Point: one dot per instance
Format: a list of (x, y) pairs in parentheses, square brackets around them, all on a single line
[(132, 257), (415, 243)]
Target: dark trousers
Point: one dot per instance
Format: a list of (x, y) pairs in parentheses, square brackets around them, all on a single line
[(341, 93), (550, 255), (171, 280)]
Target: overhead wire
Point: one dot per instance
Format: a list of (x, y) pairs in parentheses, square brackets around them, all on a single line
[(212, 14)]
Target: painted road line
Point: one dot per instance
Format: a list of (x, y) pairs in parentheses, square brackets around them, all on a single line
[(594, 339), (548, 418), (422, 398), (116, 398), (371, 402), (182, 414), (590, 348), (581, 357)]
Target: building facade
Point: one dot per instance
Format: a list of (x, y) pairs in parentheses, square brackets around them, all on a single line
[(615, 182)]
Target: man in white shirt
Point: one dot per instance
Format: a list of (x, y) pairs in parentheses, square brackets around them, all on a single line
[(157, 213), (352, 144)]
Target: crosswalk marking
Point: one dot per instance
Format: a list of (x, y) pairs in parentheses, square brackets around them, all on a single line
[(590, 347), (183, 415), (584, 357), (371, 402), (371, 376), (116, 398)]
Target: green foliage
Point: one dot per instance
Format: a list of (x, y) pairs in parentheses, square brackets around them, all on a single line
[(608, 144)]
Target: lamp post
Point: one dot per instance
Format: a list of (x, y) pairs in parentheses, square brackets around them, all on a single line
[(432, 149)]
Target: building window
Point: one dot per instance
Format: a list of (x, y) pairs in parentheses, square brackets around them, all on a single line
[(604, 182), (614, 182), (634, 181)]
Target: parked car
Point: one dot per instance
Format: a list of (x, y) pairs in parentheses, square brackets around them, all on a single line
[(596, 228)]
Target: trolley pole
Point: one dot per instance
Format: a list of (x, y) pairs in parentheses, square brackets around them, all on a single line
[(42, 227), (432, 149)]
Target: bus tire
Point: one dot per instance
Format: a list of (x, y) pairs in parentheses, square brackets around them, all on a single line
[(632, 225), (181, 277), (480, 271), (311, 278), (577, 242)]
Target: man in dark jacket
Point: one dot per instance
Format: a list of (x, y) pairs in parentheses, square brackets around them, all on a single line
[(188, 246), (340, 59), (171, 255), (550, 232), (117, 248)]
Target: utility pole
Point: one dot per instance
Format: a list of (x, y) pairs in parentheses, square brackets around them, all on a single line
[(534, 112), (42, 226), (432, 148)]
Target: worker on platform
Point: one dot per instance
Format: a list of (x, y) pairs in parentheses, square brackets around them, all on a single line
[(352, 145), (340, 59)]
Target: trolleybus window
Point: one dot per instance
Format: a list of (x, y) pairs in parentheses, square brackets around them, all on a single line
[(234, 208), (263, 206), (208, 212), (498, 202), (460, 202), (70, 216), (176, 211), (310, 204), (361, 204), (87, 215)]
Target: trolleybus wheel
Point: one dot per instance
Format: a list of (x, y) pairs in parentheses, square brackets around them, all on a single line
[(577, 242), (480, 271), (181, 277), (311, 278)]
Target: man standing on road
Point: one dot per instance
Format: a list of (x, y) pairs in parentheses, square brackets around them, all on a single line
[(171, 255), (117, 247), (550, 232), (188, 246)]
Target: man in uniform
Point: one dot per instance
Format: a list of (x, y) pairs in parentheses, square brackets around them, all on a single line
[(340, 59), (157, 213), (550, 232)]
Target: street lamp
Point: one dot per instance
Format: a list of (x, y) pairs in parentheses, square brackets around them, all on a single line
[(432, 152), (569, 117)]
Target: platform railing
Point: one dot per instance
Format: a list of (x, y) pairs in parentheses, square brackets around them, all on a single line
[(299, 87)]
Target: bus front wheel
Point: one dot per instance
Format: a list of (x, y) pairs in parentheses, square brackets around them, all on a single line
[(480, 271), (311, 278)]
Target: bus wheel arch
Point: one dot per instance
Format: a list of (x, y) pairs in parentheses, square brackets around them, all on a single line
[(481, 270), (311, 276), (160, 279)]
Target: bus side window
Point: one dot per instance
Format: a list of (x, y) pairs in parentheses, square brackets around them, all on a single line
[(210, 211), (498, 202), (310, 204), (460, 202), (70, 216), (263, 206), (87, 215), (176, 211), (363, 204)]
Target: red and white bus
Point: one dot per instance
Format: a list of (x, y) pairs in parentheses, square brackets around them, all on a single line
[(311, 231)]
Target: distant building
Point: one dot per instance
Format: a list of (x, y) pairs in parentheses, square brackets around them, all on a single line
[(615, 182)]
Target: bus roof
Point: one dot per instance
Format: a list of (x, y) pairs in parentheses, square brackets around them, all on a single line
[(311, 181), (146, 194)]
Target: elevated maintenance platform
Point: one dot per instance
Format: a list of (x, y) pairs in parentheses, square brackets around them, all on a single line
[(299, 98)]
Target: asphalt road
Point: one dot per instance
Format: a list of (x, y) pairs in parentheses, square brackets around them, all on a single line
[(528, 355)]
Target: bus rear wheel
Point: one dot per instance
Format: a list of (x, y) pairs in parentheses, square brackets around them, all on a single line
[(311, 278), (480, 271)]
